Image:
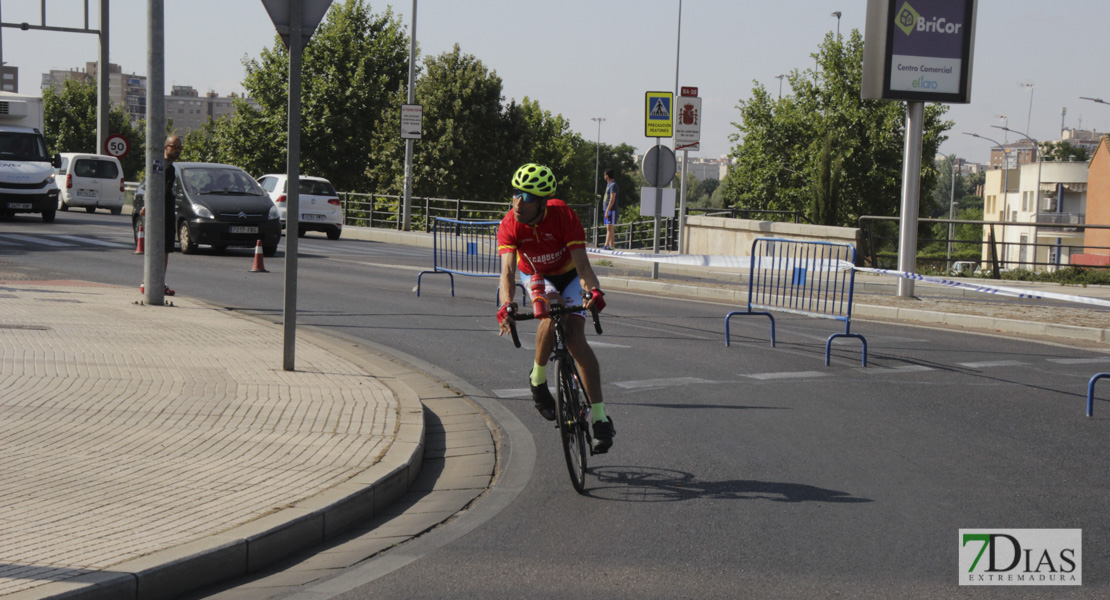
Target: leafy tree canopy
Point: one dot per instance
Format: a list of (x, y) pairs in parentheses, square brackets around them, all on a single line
[(822, 150)]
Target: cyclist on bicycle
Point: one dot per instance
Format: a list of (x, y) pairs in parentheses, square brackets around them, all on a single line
[(543, 235)]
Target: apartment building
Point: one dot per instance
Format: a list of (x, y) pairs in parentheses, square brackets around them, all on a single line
[(1098, 206), (1038, 211)]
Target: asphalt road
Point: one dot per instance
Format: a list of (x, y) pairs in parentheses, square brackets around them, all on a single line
[(737, 472)]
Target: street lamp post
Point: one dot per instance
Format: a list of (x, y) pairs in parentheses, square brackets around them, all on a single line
[(951, 213), (1099, 100), (597, 174), (836, 13), (779, 77), (1006, 187), (1037, 149)]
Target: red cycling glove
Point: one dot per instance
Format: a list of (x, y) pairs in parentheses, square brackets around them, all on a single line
[(505, 310), (597, 299)]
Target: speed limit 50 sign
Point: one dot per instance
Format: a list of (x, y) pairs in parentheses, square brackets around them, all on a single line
[(116, 145)]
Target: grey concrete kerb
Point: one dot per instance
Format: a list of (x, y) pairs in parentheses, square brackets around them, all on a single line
[(249, 547)]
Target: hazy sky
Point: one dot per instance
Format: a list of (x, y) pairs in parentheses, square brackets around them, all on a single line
[(597, 58)]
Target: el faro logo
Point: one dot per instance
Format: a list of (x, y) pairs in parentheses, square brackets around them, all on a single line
[(908, 20), (1021, 557)]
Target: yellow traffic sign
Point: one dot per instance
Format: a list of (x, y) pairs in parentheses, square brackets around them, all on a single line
[(658, 114)]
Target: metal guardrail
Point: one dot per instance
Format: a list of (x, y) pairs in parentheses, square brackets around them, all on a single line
[(879, 243)]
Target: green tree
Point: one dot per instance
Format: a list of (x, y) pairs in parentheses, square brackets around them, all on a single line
[(1063, 151), (69, 125), (352, 69), (781, 143)]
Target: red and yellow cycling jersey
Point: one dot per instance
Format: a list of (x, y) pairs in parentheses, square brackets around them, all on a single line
[(546, 244)]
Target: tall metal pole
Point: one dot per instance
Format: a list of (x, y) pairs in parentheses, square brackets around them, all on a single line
[(951, 213), (911, 196), (293, 170), (103, 101), (406, 213), (677, 55), (154, 268), (597, 177)]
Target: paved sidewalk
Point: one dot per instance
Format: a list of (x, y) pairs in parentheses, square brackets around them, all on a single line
[(147, 451)]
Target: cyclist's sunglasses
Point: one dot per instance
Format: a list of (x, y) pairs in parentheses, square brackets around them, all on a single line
[(526, 197)]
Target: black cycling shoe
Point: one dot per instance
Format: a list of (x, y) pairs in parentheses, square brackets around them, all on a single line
[(603, 435), (545, 403)]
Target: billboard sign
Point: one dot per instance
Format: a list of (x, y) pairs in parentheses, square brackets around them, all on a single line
[(919, 50)]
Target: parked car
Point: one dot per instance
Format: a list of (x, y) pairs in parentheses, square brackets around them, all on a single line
[(90, 181), (218, 205), (320, 209), (965, 267)]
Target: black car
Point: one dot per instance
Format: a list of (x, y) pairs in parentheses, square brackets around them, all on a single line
[(218, 205)]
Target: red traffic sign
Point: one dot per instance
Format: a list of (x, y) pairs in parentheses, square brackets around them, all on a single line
[(116, 145), (689, 91)]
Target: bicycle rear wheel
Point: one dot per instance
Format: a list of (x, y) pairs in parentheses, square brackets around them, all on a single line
[(572, 425)]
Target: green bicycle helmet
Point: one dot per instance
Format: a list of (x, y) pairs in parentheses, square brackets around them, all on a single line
[(535, 179)]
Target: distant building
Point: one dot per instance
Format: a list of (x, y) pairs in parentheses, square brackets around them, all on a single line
[(1039, 211), (184, 105), (1098, 207), (1017, 153), (700, 168), (1082, 138)]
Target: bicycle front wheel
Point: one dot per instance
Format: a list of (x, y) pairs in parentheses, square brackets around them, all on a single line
[(572, 425)]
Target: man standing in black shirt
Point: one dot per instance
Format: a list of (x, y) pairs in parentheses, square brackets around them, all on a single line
[(174, 145)]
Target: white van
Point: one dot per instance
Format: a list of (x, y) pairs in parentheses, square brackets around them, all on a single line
[(91, 181)]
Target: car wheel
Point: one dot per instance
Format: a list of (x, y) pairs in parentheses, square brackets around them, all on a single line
[(269, 251), (334, 233), (62, 204), (188, 246), (90, 209), (118, 210), (48, 215)]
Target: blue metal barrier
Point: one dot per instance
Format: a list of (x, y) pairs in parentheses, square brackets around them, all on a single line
[(464, 248), (1091, 392), (806, 278)]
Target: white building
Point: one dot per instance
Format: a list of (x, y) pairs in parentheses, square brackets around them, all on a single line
[(1033, 228)]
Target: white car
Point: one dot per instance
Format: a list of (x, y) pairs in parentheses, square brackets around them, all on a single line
[(320, 209), (90, 181)]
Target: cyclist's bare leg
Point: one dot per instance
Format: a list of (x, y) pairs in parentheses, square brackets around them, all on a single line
[(585, 357), (545, 342)]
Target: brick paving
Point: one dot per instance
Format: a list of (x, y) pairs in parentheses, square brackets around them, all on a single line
[(127, 429)]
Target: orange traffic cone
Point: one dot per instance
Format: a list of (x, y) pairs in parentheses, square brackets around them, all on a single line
[(258, 268), (140, 247)]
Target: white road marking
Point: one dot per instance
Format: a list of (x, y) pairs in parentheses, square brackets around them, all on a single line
[(37, 240), (992, 363), (901, 369), (1079, 361), (595, 344), (513, 393), (785, 375), (658, 383), (92, 241)]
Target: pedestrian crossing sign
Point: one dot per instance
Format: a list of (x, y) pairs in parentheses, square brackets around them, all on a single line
[(659, 118)]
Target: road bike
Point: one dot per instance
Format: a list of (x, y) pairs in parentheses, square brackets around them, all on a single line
[(572, 402)]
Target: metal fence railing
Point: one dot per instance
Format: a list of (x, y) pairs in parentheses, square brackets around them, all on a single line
[(1000, 245)]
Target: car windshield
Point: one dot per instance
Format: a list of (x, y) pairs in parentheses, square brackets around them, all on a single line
[(228, 182), (22, 146)]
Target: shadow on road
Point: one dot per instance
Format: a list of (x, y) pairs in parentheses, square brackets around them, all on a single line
[(646, 484)]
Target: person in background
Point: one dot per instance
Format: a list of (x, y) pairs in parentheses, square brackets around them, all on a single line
[(609, 201)]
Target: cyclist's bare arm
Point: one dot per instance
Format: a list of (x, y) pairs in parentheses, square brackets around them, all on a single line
[(507, 286), (586, 274)]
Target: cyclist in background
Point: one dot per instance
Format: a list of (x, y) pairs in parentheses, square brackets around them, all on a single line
[(543, 235)]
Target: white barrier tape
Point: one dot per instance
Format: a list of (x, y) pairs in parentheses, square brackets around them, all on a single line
[(988, 289), (767, 262), (734, 262)]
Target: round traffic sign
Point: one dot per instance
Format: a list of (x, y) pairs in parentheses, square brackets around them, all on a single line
[(116, 145), (659, 166)]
